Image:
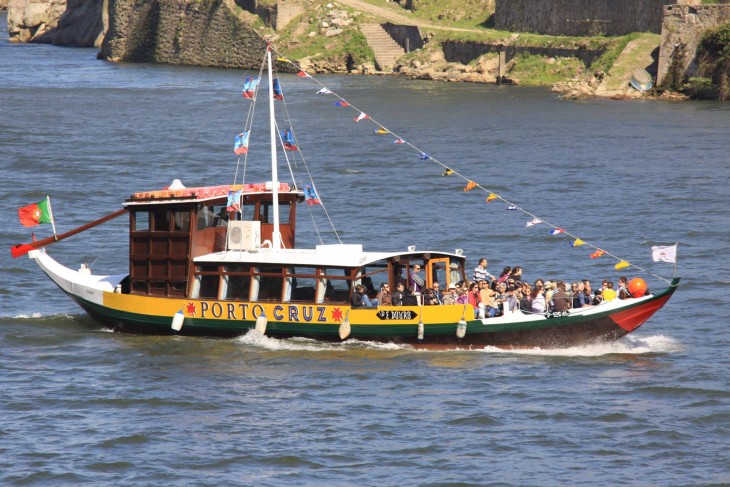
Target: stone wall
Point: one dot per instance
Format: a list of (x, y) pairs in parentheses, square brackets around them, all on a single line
[(196, 32), (681, 33), (78, 23), (465, 52), (29, 19), (581, 17), (407, 36)]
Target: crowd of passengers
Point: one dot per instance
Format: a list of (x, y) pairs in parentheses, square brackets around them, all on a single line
[(493, 296)]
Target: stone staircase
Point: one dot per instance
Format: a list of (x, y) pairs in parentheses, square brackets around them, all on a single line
[(286, 10), (386, 50)]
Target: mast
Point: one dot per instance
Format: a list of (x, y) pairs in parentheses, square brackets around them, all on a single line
[(276, 235)]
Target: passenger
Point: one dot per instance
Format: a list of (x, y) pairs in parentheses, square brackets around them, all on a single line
[(360, 298), (513, 302), (397, 297), (549, 290), (538, 297), (385, 298), (437, 292), (463, 295), (526, 300), (505, 274), (588, 291), (417, 281), (609, 293), (473, 295), (429, 297), (368, 283), (598, 298), (517, 274), (581, 300), (574, 295), (487, 297), (451, 296), (409, 298), (480, 271), (561, 299), (623, 290)]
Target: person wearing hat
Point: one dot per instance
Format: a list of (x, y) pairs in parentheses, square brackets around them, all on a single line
[(451, 296)]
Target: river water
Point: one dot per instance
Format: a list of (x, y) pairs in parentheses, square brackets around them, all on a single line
[(82, 405)]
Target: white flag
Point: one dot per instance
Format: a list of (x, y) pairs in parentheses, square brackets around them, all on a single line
[(534, 221), (324, 91), (362, 116), (664, 254)]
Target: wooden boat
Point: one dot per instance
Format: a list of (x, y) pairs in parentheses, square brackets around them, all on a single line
[(199, 267), (641, 80)]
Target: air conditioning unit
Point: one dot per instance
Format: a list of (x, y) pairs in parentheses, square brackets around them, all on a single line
[(244, 235)]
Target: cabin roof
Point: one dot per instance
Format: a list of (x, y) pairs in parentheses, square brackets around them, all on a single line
[(205, 193), (338, 255)]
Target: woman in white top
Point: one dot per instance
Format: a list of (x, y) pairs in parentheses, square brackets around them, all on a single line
[(538, 298)]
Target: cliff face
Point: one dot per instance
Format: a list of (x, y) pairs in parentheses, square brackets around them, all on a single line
[(681, 34), (581, 17), (197, 32), (29, 19), (78, 23)]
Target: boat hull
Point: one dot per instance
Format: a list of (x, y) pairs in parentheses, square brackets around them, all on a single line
[(101, 298)]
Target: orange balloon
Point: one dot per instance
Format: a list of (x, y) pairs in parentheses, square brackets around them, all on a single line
[(637, 287)]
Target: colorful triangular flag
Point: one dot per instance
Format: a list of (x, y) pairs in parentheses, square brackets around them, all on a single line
[(240, 144), (234, 201), (362, 116), (302, 74), (577, 243), (534, 221), (447, 172), (311, 196), (621, 265), (491, 197), (470, 185), (341, 103), (399, 141), (380, 131), (598, 253), (556, 231), (424, 156)]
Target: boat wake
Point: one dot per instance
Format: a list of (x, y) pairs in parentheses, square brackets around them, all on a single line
[(627, 345), (256, 339)]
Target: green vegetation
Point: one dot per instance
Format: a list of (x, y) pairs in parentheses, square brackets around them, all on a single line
[(303, 39), (612, 53), (448, 13), (713, 62), (537, 70)]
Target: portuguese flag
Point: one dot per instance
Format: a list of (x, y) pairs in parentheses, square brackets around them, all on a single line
[(36, 213)]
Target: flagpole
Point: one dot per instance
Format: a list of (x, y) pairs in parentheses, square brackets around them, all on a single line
[(676, 249), (53, 222)]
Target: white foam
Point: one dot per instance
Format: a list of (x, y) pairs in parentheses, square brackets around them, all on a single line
[(629, 344), (307, 344), (30, 316)]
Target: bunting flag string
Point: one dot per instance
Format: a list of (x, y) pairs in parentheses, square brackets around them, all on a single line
[(470, 184)]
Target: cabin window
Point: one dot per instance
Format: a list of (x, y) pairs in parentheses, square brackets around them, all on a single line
[(207, 282), (212, 216), (182, 221), (336, 284), (236, 282), (141, 221), (266, 212), (161, 221), (248, 211), (269, 281), (302, 284), (373, 276)]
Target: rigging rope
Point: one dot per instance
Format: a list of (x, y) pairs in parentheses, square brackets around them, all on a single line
[(492, 195)]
